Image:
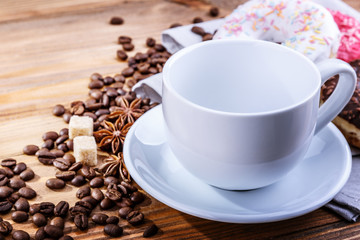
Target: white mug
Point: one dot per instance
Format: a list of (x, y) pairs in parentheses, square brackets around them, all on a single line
[(241, 114)]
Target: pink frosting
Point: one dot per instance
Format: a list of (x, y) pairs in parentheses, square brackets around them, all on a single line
[(349, 27)]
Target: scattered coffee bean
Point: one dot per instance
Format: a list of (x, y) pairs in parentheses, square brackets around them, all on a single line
[(87, 172), (20, 235), (174, 25), (14, 197), (76, 166), (9, 162), (58, 153), (5, 228), (61, 209), (150, 231), (111, 179), (22, 205), (93, 202), (113, 230), (125, 202), (16, 183), (66, 237), (52, 135), (112, 220), (106, 203), (39, 219), (128, 46), (27, 192), (135, 217), (124, 211), (58, 221), (58, 110), (61, 164), (97, 182), (113, 194), (65, 175), (150, 42), (34, 208), (128, 186), (8, 172), (61, 139), (46, 157), (99, 218), (5, 206), (55, 183), (198, 30), (207, 37), (116, 21), (30, 149), (83, 192), (124, 39), (53, 231), (81, 221), (78, 181), (197, 20), (96, 84), (97, 194), (108, 80), (40, 234), (27, 175), (121, 55), (5, 191), (4, 180), (214, 11), (49, 144), (64, 131), (19, 216), (47, 208), (137, 197), (67, 116)]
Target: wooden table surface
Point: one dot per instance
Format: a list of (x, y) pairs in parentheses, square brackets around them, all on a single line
[(48, 50)]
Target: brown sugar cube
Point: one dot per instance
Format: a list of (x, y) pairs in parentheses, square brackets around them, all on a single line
[(85, 150), (80, 126)]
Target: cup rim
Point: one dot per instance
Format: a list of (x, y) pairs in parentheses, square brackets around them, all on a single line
[(166, 72)]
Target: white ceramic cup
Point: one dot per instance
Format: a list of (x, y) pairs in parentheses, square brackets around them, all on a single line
[(241, 114)]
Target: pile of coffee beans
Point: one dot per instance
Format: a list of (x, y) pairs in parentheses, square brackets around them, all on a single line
[(95, 191)]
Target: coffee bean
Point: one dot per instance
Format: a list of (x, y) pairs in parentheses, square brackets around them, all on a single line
[(16, 183), (19, 168), (61, 209), (5, 206), (53, 231), (39, 220), (14, 197), (47, 208), (5, 228), (90, 200), (99, 218), (214, 11), (112, 93), (76, 166), (112, 220), (61, 139), (66, 175), (96, 76), (58, 153), (64, 131), (97, 182), (97, 194), (174, 25), (83, 192), (124, 39), (34, 208), (113, 194), (81, 207), (121, 55), (27, 192), (124, 211), (135, 217), (66, 237), (96, 84), (128, 186), (87, 172), (9, 162), (40, 234), (102, 111), (30, 149), (20, 235), (27, 175), (111, 179), (61, 164), (49, 144), (55, 183), (46, 158), (116, 21), (52, 135), (159, 47), (63, 147), (106, 203), (67, 116), (8, 172), (19, 216), (58, 221), (58, 110), (198, 30), (42, 151), (207, 37), (4, 180), (22, 205), (137, 197), (81, 221), (78, 181), (150, 42), (128, 46), (108, 80), (5, 191), (197, 20), (125, 202), (69, 157), (150, 231), (105, 101), (113, 230)]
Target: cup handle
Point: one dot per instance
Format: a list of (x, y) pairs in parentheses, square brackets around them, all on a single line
[(342, 93)]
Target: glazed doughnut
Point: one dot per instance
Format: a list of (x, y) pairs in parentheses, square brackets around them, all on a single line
[(348, 121), (299, 24), (349, 27)]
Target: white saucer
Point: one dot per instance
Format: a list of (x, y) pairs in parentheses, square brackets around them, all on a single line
[(311, 185)]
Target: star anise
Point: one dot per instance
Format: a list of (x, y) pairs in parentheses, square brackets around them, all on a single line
[(112, 135), (129, 112), (115, 166)]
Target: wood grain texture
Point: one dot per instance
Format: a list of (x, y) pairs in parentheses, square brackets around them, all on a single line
[(48, 49)]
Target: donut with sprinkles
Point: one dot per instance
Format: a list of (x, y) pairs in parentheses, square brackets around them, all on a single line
[(302, 25)]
